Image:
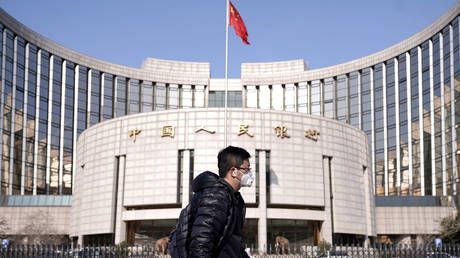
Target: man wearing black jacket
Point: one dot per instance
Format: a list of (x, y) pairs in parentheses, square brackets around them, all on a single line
[(218, 210)]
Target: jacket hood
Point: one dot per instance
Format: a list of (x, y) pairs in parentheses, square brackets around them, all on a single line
[(204, 180)]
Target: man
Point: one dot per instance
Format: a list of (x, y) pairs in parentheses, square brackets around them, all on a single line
[(219, 209)]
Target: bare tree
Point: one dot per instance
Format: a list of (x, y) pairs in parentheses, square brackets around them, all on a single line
[(4, 228), (40, 229), (450, 229)]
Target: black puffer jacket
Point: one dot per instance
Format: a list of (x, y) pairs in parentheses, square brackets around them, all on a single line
[(218, 214)]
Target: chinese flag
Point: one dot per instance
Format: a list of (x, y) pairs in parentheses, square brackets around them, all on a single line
[(237, 23)]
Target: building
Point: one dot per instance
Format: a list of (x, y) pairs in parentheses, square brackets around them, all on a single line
[(397, 107)]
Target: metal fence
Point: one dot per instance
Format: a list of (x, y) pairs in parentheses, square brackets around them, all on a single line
[(446, 251)]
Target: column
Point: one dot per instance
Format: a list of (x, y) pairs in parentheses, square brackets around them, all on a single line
[(327, 229), (371, 74), (120, 225), (262, 223), (75, 120), (186, 178)]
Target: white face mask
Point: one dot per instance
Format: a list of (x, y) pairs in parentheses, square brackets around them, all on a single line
[(247, 179)]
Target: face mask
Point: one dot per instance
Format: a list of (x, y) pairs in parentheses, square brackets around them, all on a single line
[(247, 179)]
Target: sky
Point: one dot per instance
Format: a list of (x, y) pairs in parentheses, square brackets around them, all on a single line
[(321, 32)]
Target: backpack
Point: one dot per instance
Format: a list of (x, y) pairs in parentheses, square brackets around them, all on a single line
[(180, 246), (174, 246)]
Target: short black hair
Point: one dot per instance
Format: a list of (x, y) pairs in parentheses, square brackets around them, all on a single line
[(231, 157)]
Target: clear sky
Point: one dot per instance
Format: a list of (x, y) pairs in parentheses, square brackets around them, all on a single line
[(322, 32)]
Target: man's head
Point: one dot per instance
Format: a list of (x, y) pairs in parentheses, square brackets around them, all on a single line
[(231, 157)]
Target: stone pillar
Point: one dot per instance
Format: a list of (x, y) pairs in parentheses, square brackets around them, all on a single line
[(262, 224), (80, 241), (326, 228), (185, 178), (120, 225)]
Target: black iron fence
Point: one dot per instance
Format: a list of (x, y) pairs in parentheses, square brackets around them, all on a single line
[(428, 251)]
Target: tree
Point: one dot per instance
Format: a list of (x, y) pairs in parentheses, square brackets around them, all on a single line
[(4, 228), (450, 229), (41, 230)]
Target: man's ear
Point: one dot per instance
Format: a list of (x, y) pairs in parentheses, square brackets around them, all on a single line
[(233, 172)]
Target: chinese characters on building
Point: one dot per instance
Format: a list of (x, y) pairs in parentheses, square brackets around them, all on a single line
[(132, 133), (244, 130), (280, 131), (312, 134), (167, 130)]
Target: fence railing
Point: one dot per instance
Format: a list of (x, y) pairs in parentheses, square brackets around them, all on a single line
[(295, 250)]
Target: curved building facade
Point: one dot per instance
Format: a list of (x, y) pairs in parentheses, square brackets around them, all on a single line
[(134, 174), (403, 98)]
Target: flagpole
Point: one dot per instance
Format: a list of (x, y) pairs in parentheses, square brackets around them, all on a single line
[(226, 74)]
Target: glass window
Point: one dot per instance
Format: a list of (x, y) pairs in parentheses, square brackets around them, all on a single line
[(68, 130), (121, 97), (82, 99), (160, 96), (456, 85), (173, 96), (437, 114), (354, 99), (30, 120), (216, 99), (95, 97), (416, 173), (447, 107), (107, 112), (186, 96), (379, 135), (147, 96), (329, 98), (290, 97), (303, 97), (18, 115), (426, 116), (316, 98), (133, 97), (234, 99), (391, 128), (342, 97), (403, 127)]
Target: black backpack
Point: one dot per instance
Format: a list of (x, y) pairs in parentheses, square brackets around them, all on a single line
[(174, 244), (186, 218)]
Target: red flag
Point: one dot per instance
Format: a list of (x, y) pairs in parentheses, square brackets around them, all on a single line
[(238, 24)]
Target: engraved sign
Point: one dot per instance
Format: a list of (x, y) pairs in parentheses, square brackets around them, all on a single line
[(167, 130), (312, 134), (205, 130), (132, 133), (281, 131), (244, 130)]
